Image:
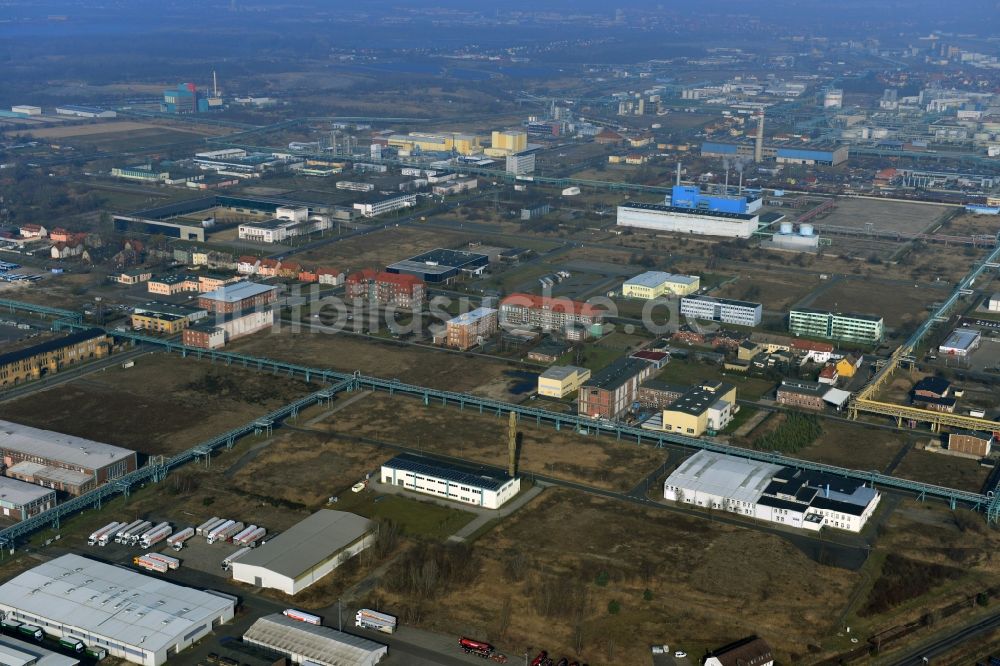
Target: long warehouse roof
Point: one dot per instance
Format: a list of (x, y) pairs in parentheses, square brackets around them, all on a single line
[(320, 645), (308, 543), (111, 601), (51, 445)]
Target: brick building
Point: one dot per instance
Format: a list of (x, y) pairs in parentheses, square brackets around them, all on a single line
[(238, 297), (471, 328), (62, 462), (53, 355), (611, 392), (548, 313), (655, 394), (970, 443), (801, 393), (400, 290)]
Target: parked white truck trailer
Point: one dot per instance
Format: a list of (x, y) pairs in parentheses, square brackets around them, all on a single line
[(96, 536), (138, 527), (134, 537), (212, 534), (171, 562), (252, 538), (369, 619), (228, 562), (177, 540), (246, 531), (226, 533), (149, 539), (208, 525)]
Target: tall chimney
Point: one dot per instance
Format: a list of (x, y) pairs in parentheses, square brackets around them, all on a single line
[(512, 445), (215, 85), (678, 173), (758, 149)]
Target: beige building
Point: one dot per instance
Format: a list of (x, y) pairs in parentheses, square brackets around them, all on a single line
[(706, 408), (561, 380), (463, 144), (507, 143), (654, 284)]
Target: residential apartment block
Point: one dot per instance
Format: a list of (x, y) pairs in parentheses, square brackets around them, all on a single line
[(847, 327), (400, 290), (611, 392), (547, 313), (472, 328), (53, 355)]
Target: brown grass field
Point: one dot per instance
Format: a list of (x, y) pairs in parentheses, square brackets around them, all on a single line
[(897, 305), (382, 247), (597, 461), (112, 127), (706, 587), (162, 405)]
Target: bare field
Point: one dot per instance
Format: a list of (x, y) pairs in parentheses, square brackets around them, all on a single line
[(884, 215), (943, 470), (388, 359), (380, 248), (162, 405), (897, 305), (596, 461), (707, 584), (775, 291), (853, 446), (113, 127)]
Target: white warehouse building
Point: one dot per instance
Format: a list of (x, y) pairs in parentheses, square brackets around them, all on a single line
[(306, 643), (795, 497), (300, 556), (483, 487), (134, 617), (659, 217)]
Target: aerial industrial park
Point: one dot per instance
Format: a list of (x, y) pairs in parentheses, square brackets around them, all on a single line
[(446, 334)]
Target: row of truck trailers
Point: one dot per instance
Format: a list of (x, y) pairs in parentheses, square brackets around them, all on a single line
[(145, 534), (66, 643)]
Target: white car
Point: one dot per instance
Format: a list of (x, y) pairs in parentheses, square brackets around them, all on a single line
[(680, 654), (358, 487)]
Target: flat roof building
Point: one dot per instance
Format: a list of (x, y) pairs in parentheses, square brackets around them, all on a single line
[(561, 380), (101, 462), (659, 217), (613, 390), (847, 327), (134, 617), (237, 297), (705, 408), (724, 310), (20, 500), (305, 553), (471, 328), (484, 487), (441, 265), (961, 342), (307, 643), (653, 284)]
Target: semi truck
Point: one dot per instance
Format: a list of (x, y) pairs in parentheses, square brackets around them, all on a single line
[(228, 562), (252, 538), (135, 532), (214, 533), (10, 624), (32, 631), (205, 527), (96, 536), (150, 564), (302, 616), (478, 648), (171, 562), (155, 535), (226, 533), (124, 529), (369, 619), (70, 643), (176, 541)]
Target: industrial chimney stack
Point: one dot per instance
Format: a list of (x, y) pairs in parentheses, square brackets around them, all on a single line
[(512, 445), (758, 149)]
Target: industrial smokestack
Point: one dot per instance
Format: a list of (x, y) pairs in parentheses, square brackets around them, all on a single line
[(678, 173), (215, 85), (758, 149), (512, 445)]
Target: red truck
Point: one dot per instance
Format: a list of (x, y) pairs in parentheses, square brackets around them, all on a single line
[(478, 648)]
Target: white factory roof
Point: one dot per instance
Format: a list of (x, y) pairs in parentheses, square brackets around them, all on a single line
[(110, 601), (561, 372), (723, 476), (19, 653), (237, 291), (656, 278), (308, 543), (317, 644), (961, 339), (67, 449), (471, 316), (19, 493)]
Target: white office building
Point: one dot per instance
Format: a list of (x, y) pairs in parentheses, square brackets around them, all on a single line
[(741, 313), (520, 164), (134, 617), (381, 205), (798, 498), (659, 217), (482, 487), (961, 342)]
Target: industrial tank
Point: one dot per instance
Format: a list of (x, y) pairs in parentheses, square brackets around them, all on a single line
[(806, 230), (786, 228)]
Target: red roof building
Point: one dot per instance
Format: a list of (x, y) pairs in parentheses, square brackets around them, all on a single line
[(386, 288), (547, 313)]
